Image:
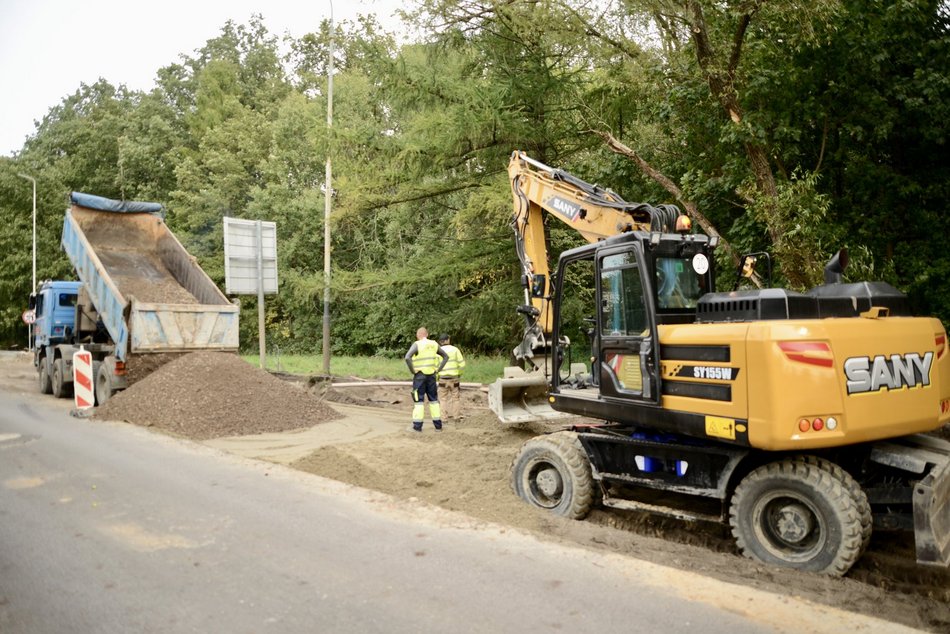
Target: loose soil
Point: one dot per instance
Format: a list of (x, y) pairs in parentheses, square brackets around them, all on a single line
[(204, 395), (465, 468)]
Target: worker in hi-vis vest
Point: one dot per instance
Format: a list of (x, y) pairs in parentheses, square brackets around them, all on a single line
[(450, 377), (424, 363)]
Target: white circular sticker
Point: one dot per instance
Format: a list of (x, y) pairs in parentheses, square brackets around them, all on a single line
[(700, 264)]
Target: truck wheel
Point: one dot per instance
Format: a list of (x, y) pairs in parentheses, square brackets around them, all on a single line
[(800, 513), (45, 382), (95, 378), (552, 472), (103, 384), (61, 388)]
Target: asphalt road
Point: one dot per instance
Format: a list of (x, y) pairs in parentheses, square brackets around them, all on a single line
[(106, 527)]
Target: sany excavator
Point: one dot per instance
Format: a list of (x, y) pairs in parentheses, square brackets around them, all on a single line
[(799, 418)]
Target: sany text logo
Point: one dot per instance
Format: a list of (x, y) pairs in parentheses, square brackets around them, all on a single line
[(894, 372)]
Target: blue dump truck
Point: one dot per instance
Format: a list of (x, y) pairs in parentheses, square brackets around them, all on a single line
[(139, 293)]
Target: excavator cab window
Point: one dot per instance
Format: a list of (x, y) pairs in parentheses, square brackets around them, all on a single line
[(678, 284)]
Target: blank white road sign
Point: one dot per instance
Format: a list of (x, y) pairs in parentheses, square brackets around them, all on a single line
[(241, 252)]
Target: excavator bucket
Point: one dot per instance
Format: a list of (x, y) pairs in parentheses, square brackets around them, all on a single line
[(522, 397)]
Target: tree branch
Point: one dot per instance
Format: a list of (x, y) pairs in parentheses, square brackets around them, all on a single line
[(619, 148)]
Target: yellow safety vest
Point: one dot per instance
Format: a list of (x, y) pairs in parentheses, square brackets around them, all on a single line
[(426, 358), (453, 367)]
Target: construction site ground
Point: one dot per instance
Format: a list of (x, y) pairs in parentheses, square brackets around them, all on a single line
[(362, 438)]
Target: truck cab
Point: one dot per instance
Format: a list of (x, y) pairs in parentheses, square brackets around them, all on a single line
[(55, 309)]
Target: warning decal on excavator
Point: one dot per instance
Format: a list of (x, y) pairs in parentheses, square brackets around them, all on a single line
[(721, 427)]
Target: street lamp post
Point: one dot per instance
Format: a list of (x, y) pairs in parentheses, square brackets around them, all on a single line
[(33, 287), (328, 195)]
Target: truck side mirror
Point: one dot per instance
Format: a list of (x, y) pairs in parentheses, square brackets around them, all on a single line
[(32, 301)]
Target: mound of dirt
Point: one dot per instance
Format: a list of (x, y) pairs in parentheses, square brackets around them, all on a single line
[(206, 395)]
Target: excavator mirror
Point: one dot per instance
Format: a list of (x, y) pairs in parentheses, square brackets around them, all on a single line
[(747, 266), (538, 285)]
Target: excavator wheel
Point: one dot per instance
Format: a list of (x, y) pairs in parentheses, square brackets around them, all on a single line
[(804, 513), (552, 472), (61, 389), (43, 377), (864, 507)]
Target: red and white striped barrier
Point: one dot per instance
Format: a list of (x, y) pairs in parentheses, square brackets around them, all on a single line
[(83, 381)]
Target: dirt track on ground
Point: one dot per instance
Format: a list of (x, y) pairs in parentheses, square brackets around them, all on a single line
[(465, 469)]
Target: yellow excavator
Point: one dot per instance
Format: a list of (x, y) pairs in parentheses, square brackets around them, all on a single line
[(800, 419)]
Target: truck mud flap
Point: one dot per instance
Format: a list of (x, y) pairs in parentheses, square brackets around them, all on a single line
[(522, 398), (932, 517)]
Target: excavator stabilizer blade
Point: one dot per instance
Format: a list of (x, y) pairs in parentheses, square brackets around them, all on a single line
[(932, 517), (522, 397)]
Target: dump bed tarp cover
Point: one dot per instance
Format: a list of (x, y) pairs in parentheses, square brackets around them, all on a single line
[(100, 203)]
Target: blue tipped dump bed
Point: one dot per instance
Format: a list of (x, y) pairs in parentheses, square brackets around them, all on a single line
[(150, 293)]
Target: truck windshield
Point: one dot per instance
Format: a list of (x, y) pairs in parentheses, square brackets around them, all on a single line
[(67, 299), (678, 285)]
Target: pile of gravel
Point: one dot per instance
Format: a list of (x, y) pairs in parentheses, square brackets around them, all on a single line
[(205, 395)]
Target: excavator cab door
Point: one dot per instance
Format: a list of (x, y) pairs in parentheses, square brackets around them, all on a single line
[(627, 359)]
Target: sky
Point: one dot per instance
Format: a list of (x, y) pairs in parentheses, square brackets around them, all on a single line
[(49, 47)]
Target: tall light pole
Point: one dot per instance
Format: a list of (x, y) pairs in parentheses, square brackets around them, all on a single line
[(33, 287), (327, 196)]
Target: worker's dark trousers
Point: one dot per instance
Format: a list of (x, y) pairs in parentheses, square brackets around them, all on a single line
[(425, 386)]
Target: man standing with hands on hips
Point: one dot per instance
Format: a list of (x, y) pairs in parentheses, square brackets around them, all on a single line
[(450, 380), (424, 363)]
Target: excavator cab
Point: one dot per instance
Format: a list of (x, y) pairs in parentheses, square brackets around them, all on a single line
[(614, 293)]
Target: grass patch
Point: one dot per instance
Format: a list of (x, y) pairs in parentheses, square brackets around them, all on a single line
[(478, 369)]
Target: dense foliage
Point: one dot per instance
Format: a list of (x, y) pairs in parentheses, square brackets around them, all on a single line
[(797, 127)]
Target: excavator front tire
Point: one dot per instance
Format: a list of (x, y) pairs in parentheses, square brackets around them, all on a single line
[(552, 472), (804, 513)]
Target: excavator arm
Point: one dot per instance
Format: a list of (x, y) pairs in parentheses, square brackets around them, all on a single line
[(594, 212)]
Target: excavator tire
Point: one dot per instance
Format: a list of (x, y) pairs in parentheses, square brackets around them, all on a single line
[(61, 389), (864, 507), (804, 513), (43, 378), (552, 472)]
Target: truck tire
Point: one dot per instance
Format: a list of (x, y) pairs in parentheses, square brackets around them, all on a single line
[(801, 513), (552, 472), (103, 384), (95, 379), (43, 377), (61, 389)]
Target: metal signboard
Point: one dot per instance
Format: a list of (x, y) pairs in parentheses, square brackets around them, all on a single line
[(250, 255)]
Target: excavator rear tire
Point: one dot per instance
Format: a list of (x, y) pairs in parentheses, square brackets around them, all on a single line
[(552, 472), (804, 513)]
